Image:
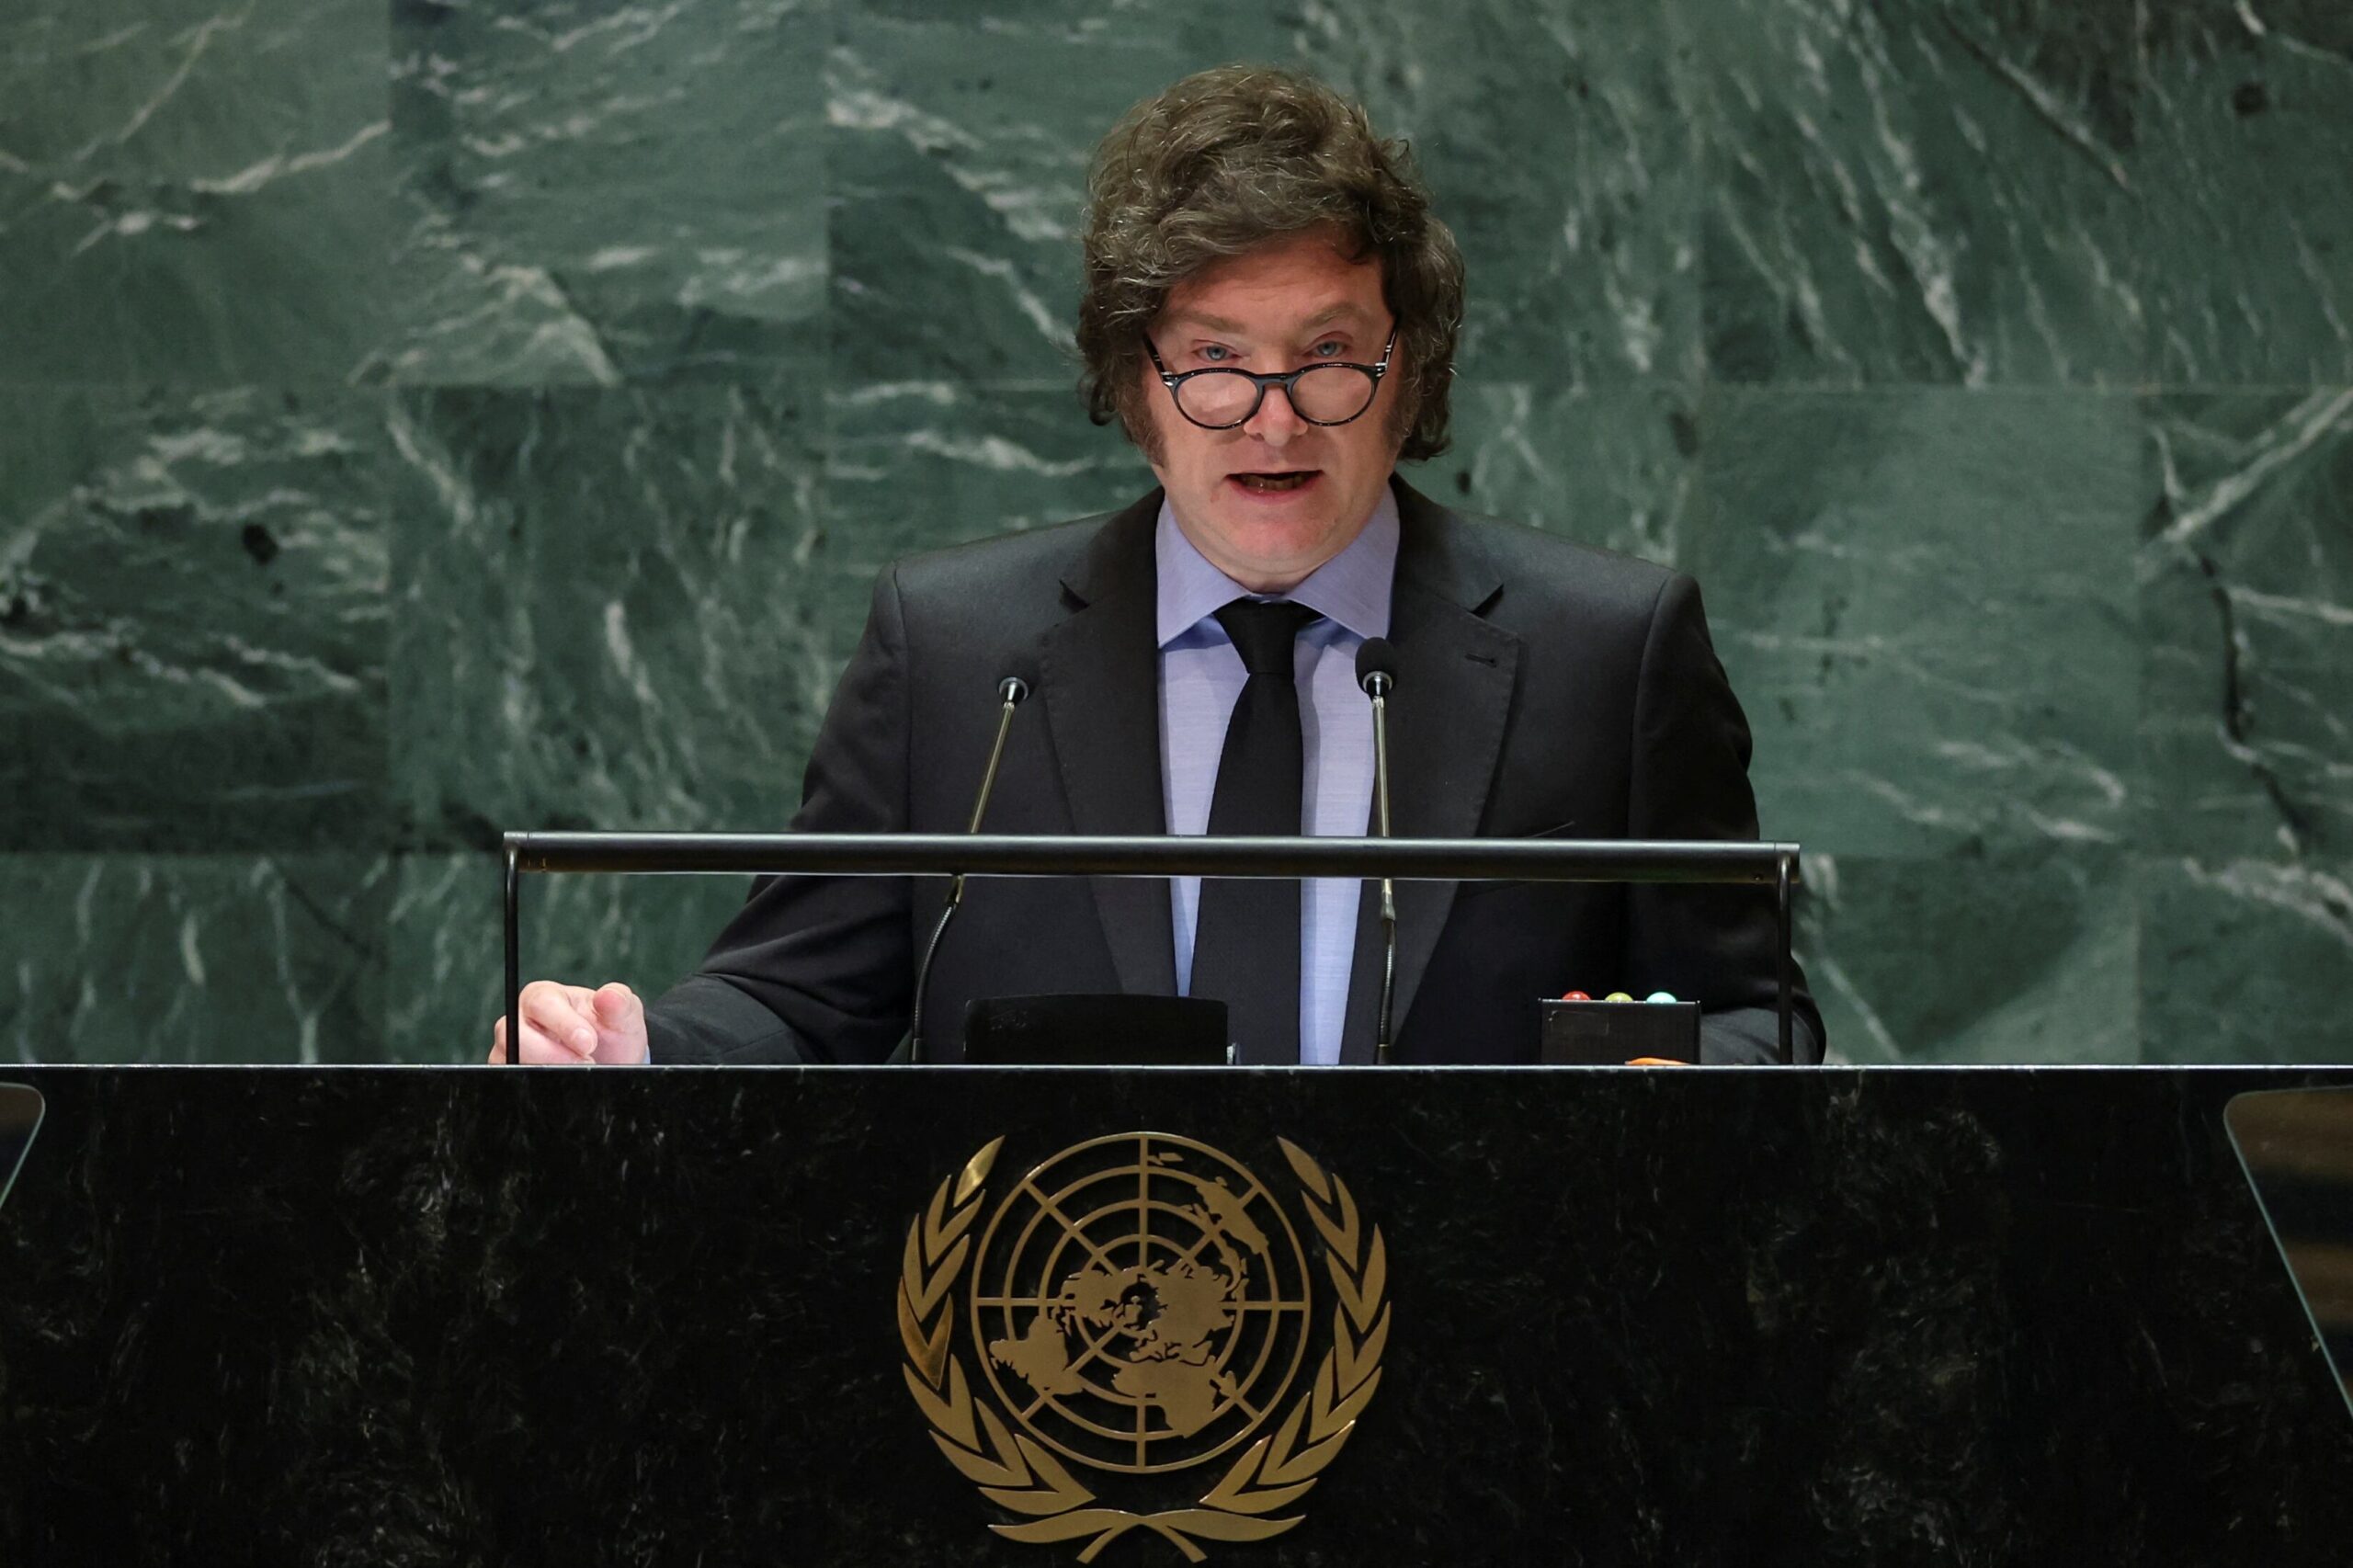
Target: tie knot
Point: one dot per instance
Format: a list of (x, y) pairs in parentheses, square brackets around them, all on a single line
[(1264, 631)]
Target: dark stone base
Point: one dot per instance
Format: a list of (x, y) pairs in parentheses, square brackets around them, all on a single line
[(1687, 1316)]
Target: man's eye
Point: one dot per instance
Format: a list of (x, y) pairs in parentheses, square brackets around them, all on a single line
[(1216, 353), (1330, 348)]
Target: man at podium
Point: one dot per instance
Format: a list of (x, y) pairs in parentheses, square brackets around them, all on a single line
[(1270, 311)]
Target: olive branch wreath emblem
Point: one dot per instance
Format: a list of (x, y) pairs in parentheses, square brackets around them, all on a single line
[(1017, 1473)]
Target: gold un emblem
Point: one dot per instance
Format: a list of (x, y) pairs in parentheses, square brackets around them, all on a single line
[(1140, 1307)]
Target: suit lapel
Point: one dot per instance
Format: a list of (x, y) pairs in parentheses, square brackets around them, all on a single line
[(1456, 673), (1100, 672)]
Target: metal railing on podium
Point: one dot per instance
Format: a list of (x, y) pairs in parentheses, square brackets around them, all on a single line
[(1767, 863)]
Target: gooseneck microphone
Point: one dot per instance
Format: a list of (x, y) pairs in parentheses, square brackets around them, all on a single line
[(1377, 673), (1010, 692)]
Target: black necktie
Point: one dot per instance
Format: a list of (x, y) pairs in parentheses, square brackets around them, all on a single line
[(1245, 947)]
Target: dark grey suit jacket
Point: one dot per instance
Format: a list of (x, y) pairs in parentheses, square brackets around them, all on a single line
[(1543, 688)]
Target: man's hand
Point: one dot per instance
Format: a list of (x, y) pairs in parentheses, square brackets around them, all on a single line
[(574, 1025)]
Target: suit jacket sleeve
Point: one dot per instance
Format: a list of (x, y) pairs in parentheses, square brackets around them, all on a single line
[(1691, 747), (818, 968)]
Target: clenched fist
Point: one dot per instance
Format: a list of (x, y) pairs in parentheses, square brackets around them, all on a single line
[(573, 1024)]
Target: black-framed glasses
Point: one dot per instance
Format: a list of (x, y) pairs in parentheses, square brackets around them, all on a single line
[(1330, 391)]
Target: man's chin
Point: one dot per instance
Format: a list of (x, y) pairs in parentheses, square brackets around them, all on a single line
[(1270, 560), (1275, 528)]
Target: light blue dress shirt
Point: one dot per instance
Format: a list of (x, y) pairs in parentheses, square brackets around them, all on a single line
[(1201, 680)]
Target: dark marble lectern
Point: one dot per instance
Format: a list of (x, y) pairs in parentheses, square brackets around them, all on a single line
[(884, 1317)]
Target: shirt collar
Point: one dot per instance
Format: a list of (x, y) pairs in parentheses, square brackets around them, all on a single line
[(1351, 589)]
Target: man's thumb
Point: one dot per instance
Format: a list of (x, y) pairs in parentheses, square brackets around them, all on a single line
[(617, 1007)]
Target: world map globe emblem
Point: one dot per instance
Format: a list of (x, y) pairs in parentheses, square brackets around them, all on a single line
[(1140, 1302)]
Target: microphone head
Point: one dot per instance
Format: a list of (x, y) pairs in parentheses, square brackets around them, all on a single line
[(1020, 677), (1377, 666)]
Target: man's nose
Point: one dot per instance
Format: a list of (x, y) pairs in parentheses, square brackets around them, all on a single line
[(1277, 421)]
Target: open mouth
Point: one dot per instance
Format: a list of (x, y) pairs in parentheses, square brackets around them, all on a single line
[(1274, 483)]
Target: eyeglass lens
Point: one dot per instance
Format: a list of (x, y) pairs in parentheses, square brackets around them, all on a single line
[(1329, 394)]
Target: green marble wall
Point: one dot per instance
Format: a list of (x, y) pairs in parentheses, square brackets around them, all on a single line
[(425, 420)]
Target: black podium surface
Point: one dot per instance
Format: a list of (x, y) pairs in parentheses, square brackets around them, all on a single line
[(794, 1316)]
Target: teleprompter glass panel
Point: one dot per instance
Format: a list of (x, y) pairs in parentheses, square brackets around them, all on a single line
[(2297, 1146), (19, 1115)]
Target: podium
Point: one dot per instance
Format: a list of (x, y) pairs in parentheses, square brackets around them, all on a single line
[(792, 1315)]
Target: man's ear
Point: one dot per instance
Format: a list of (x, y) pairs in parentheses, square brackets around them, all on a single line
[(1405, 409), (1136, 412)]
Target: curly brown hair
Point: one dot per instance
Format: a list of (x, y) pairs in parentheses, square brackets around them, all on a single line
[(1230, 158)]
